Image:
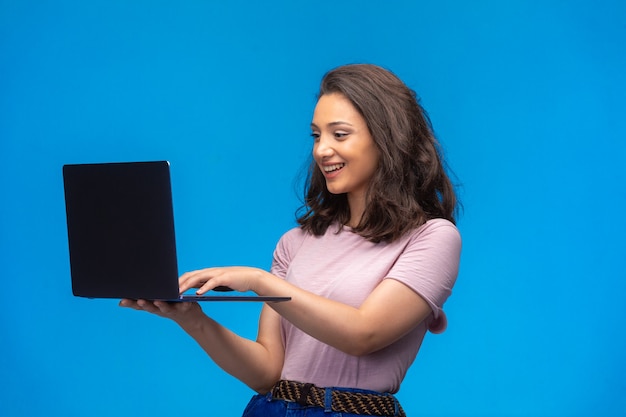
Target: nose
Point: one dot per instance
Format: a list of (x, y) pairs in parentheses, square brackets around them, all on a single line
[(322, 148)]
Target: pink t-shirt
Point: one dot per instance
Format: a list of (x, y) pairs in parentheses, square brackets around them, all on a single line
[(346, 267)]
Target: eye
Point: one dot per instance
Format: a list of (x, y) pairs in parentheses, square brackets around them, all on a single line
[(315, 136), (341, 135)]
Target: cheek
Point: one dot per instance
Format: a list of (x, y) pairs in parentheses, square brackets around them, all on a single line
[(373, 159)]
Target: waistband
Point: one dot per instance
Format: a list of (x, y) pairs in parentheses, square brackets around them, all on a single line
[(338, 400)]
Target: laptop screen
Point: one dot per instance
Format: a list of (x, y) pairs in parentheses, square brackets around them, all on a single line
[(121, 230)]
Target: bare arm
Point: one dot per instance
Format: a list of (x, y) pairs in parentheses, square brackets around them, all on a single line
[(256, 363), (388, 313)]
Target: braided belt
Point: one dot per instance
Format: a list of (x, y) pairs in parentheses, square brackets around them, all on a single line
[(342, 401)]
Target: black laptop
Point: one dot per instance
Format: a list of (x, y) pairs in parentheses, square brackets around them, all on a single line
[(120, 225)]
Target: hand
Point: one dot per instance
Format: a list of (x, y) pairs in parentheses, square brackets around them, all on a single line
[(238, 278), (180, 312)]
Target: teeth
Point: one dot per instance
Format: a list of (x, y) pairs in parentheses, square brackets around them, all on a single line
[(331, 168)]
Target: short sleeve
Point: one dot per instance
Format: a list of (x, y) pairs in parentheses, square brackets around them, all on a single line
[(429, 266), (285, 250)]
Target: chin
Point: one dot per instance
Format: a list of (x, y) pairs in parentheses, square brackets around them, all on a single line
[(335, 190)]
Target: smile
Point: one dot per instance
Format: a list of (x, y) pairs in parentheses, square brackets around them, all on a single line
[(333, 168)]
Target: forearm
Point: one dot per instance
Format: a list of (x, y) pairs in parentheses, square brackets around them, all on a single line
[(388, 313), (249, 361), (334, 323)]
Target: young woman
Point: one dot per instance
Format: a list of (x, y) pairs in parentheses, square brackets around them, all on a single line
[(368, 269)]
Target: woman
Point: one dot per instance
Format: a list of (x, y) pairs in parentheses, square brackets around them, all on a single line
[(368, 269)]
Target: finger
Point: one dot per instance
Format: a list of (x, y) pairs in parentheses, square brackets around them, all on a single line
[(187, 280), (127, 303), (196, 279), (185, 277), (164, 307), (175, 309), (148, 306), (185, 283), (208, 286)]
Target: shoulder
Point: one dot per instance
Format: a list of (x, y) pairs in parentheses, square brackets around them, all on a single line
[(434, 249), (292, 236), (438, 232), (297, 235), (429, 265), (286, 248), (290, 241)]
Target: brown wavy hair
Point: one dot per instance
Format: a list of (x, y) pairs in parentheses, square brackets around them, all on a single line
[(410, 185)]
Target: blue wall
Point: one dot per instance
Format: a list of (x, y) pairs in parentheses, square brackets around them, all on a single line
[(526, 96)]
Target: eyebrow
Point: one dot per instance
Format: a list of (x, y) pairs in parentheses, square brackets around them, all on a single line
[(331, 124)]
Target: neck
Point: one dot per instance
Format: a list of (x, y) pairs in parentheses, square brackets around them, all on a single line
[(357, 208)]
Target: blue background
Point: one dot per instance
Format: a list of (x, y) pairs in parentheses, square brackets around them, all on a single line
[(527, 98)]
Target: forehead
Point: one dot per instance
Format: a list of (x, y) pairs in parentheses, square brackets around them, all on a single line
[(335, 107)]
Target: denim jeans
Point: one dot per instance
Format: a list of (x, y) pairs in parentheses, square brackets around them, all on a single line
[(263, 405)]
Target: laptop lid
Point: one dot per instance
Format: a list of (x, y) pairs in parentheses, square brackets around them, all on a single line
[(120, 224)]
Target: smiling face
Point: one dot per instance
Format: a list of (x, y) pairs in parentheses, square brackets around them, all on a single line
[(343, 149)]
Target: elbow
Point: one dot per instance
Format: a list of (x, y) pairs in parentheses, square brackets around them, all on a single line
[(262, 389), (264, 385)]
